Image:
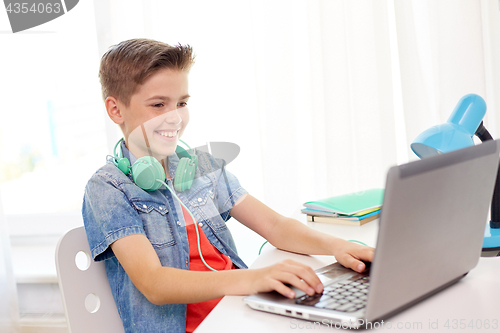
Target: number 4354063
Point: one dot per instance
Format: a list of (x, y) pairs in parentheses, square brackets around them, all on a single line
[(471, 324), (24, 8)]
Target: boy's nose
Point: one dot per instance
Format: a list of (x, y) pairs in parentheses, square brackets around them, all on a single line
[(173, 117)]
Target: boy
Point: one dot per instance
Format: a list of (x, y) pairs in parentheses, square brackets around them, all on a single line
[(158, 252)]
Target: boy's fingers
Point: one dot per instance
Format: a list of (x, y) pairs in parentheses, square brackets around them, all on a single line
[(282, 289), (306, 275), (296, 282), (353, 263), (360, 266), (366, 253)]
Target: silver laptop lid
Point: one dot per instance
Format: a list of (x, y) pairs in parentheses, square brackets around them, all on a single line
[(431, 225)]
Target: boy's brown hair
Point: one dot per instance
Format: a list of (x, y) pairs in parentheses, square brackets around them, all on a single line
[(128, 64)]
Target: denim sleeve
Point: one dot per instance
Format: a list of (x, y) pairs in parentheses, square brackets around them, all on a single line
[(107, 215), (229, 190)]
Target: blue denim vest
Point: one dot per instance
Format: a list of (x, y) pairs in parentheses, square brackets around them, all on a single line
[(114, 207)]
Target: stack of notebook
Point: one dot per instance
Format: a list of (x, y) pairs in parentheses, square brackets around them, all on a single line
[(353, 208)]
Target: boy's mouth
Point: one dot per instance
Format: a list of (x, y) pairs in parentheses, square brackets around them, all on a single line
[(168, 134)]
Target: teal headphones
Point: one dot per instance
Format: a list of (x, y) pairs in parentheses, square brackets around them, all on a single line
[(148, 174), (146, 170)]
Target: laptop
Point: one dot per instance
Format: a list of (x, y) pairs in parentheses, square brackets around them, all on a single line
[(430, 235)]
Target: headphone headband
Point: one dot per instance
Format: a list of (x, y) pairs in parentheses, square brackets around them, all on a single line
[(114, 150)]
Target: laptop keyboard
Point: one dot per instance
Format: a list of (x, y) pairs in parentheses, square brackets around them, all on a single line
[(345, 296)]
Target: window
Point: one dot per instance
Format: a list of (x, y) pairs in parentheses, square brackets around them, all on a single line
[(53, 128)]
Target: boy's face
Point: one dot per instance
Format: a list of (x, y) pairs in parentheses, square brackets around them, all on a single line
[(157, 114)]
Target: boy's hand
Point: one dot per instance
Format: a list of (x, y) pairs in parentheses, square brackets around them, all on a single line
[(286, 272), (352, 255)]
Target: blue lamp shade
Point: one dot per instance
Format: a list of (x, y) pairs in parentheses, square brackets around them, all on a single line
[(456, 133)]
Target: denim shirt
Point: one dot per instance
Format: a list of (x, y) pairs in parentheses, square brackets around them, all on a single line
[(114, 207)]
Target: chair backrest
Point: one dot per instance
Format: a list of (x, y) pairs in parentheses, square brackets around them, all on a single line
[(87, 298)]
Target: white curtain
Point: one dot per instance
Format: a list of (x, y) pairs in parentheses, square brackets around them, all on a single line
[(447, 49), (322, 96), (9, 313)]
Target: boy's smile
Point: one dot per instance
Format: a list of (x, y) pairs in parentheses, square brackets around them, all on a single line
[(157, 114)]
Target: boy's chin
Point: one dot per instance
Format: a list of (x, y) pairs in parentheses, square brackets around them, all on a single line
[(163, 152)]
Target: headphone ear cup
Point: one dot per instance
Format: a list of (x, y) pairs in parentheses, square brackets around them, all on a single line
[(145, 172), (124, 165), (184, 175)]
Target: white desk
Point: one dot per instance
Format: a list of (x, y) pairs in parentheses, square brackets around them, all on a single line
[(475, 298)]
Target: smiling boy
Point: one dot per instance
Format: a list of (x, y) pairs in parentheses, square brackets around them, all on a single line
[(159, 279)]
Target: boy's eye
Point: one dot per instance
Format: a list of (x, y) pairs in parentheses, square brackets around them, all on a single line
[(182, 104), (158, 105)]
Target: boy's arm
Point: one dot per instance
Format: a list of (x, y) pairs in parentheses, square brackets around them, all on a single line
[(162, 285), (291, 235)]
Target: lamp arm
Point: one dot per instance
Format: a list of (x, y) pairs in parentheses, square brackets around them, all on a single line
[(483, 135)]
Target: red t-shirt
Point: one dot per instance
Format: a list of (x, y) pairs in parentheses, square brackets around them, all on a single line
[(196, 312)]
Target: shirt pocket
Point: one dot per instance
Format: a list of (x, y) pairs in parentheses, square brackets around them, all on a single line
[(155, 222), (203, 201)]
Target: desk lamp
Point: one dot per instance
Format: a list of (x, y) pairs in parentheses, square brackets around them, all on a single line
[(464, 122)]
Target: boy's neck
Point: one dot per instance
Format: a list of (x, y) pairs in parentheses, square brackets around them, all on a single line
[(164, 164), (163, 161)]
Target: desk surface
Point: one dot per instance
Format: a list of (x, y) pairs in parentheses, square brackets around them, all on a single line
[(471, 305)]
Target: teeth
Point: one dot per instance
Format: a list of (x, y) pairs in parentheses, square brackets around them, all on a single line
[(169, 134)]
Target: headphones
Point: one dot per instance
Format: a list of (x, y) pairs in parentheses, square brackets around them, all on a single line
[(146, 170), (148, 173)]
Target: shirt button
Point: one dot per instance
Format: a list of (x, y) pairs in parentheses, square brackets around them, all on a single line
[(144, 206), (200, 199), (178, 222), (200, 224), (160, 208)]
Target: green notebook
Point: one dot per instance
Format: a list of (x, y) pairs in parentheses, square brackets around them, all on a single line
[(349, 204)]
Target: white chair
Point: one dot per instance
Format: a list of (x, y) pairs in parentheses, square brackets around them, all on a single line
[(87, 298)]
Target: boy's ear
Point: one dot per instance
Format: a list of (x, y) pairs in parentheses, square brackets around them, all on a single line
[(113, 110)]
